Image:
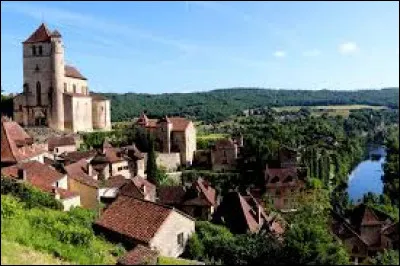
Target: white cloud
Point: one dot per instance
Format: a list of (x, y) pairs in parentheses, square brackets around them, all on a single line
[(348, 48), (280, 54), (312, 53)]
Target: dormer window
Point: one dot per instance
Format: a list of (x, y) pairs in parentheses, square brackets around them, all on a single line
[(34, 50)]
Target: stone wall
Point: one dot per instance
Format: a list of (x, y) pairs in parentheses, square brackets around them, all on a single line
[(101, 115), (81, 85), (88, 195), (166, 239), (71, 202), (170, 161)]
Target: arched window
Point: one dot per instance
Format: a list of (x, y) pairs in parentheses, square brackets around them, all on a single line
[(34, 50), (40, 50), (38, 93)]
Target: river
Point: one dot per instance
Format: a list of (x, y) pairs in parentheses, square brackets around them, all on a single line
[(367, 175)]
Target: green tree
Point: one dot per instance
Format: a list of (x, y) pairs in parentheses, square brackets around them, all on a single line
[(151, 167), (388, 257)]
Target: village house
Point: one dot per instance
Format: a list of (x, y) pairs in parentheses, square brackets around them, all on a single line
[(365, 231), (244, 214), (17, 146), (59, 145), (283, 183), (44, 178), (55, 94), (139, 222), (172, 135), (140, 255), (199, 200), (225, 152)]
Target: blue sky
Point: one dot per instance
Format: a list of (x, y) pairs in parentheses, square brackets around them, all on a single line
[(157, 47)]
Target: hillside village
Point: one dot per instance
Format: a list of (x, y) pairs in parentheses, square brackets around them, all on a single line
[(148, 217)]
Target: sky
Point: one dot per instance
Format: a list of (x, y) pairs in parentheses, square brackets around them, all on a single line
[(186, 46)]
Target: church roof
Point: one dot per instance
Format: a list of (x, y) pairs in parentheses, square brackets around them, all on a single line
[(41, 34), (56, 33), (72, 72)]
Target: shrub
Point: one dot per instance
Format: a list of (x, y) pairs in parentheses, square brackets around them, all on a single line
[(10, 207), (194, 248), (31, 196)]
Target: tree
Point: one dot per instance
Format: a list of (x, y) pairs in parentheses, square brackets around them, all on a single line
[(388, 257), (151, 168)]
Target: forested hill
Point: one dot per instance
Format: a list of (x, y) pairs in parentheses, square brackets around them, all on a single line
[(219, 104)]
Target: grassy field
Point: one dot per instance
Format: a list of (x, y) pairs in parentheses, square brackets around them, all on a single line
[(175, 261), (329, 107), (16, 254)]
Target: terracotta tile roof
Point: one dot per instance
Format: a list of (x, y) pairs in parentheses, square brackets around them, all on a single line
[(72, 72), (140, 255), (171, 195), (48, 161), (133, 152), (207, 190), (179, 123), (37, 174), (164, 119), (245, 210), (77, 171), (134, 218), (41, 34), (73, 157), (66, 194), (144, 185), (16, 144), (116, 181), (114, 155), (143, 120), (60, 141), (131, 190), (200, 194)]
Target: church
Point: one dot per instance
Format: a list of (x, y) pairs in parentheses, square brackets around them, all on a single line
[(55, 94)]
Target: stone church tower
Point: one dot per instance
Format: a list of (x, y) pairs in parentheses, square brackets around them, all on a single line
[(55, 94)]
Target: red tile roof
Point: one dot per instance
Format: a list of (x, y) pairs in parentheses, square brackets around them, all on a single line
[(140, 255), (77, 171), (37, 174), (131, 190), (41, 34), (116, 181), (138, 187), (207, 190), (171, 195), (60, 141), (72, 72), (16, 144), (179, 123), (134, 218), (72, 157)]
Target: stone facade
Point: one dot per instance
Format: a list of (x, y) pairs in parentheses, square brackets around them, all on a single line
[(172, 236), (224, 154), (172, 134), (55, 94)]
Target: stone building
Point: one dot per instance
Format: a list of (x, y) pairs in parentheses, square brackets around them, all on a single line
[(59, 145), (136, 222), (56, 94), (45, 178), (224, 154), (172, 134), (365, 231), (198, 201)]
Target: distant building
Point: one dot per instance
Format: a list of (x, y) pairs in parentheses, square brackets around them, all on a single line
[(365, 231), (224, 154), (173, 134), (55, 94), (17, 146), (198, 201), (139, 222), (59, 145), (244, 214), (46, 179)]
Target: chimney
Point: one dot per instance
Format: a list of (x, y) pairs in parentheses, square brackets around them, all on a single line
[(89, 169), (22, 174), (56, 194)]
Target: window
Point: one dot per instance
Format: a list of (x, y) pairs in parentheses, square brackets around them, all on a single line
[(180, 240), (40, 50), (275, 179), (34, 50), (102, 108), (57, 184), (355, 250), (20, 107), (56, 149), (74, 86), (277, 193), (65, 87), (38, 93)]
